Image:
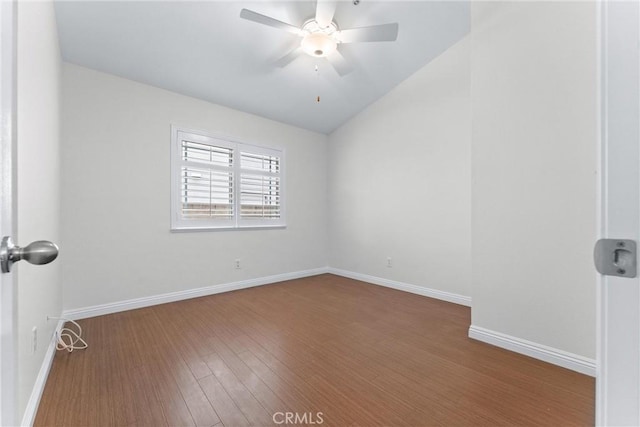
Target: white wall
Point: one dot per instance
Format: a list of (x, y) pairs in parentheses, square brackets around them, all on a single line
[(115, 198), (399, 181), (38, 192), (533, 85)]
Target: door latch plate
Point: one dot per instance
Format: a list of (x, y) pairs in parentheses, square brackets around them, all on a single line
[(616, 257)]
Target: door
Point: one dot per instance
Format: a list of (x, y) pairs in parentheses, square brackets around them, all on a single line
[(7, 144), (618, 352)]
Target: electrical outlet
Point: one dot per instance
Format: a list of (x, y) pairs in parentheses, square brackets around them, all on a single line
[(34, 339), (389, 262), (237, 264)]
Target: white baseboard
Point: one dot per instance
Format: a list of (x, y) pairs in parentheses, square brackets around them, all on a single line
[(537, 351), (38, 387), (115, 307), (420, 290)]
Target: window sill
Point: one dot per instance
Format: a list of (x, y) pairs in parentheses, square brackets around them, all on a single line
[(246, 227)]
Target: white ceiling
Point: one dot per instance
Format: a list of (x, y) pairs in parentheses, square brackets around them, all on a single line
[(205, 50)]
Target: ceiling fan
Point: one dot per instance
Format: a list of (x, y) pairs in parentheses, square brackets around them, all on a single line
[(321, 35)]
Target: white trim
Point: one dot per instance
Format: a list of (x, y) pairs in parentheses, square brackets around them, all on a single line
[(406, 287), (601, 211), (551, 355), (242, 227), (618, 305), (38, 388), (132, 304), (8, 196)]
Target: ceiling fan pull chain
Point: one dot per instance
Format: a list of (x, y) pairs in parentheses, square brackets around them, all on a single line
[(318, 83)]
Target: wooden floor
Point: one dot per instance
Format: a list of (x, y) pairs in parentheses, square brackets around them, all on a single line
[(331, 350)]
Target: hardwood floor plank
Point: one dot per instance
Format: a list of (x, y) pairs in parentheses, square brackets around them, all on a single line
[(296, 381), (178, 332), (263, 394), (226, 409), (294, 399), (160, 363), (253, 411), (172, 361)]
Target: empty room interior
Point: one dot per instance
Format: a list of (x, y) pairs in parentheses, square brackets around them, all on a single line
[(312, 213)]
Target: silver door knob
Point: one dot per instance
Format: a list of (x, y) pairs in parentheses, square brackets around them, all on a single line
[(39, 252)]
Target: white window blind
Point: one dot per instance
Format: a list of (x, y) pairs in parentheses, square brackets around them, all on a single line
[(217, 183), (259, 186)]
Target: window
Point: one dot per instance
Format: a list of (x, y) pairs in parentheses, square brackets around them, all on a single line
[(217, 183)]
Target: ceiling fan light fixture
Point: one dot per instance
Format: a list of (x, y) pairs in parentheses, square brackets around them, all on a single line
[(318, 44)]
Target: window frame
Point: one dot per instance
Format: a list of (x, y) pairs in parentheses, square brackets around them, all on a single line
[(179, 223)]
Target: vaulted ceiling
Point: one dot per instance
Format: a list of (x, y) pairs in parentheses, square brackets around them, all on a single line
[(205, 50)]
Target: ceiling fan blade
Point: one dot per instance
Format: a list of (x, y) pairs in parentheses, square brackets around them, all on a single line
[(325, 10), (266, 20), (339, 63), (376, 33), (288, 58)]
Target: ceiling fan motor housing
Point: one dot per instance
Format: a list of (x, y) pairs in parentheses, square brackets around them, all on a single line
[(319, 44)]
